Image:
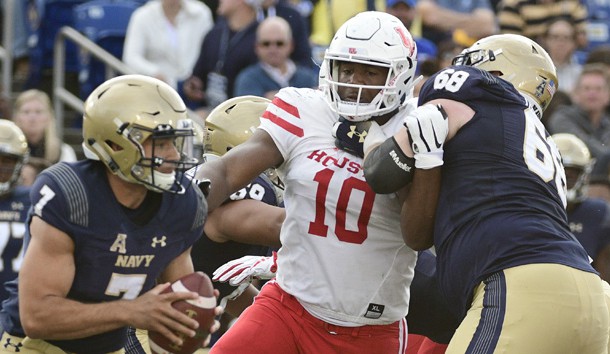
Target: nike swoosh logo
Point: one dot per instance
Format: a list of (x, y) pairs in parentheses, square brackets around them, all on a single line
[(438, 145), (440, 108)]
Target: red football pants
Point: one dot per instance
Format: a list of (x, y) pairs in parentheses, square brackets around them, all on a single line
[(277, 323)]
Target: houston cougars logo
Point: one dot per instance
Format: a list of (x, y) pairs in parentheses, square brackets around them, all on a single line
[(407, 41)]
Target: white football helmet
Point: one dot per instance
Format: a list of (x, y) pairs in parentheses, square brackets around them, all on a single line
[(575, 155), (518, 60), (371, 38), (121, 114), (14, 145)]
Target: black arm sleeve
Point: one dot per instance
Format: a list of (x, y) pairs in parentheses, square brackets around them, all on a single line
[(387, 169)]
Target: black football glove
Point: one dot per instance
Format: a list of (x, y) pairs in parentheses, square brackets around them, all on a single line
[(349, 136)]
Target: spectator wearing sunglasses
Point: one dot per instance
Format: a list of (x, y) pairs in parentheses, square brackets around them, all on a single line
[(274, 69)]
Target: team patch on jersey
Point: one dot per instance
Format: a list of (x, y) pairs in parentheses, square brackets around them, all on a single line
[(374, 311), (285, 116)]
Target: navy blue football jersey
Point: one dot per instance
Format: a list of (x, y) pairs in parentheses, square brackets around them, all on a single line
[(115, 258), (502, 201), (590, 223), (13, 212), (208, 255)]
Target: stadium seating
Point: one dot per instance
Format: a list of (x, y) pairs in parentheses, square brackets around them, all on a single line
[(44, 19), (105, 23), (598, 23)]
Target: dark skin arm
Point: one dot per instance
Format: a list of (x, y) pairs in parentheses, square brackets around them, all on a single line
[(259, 223), (419, 209), (419, 204), (239, 166)]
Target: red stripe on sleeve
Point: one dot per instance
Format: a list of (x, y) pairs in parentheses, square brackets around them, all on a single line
[(286, 106), (289, 127)]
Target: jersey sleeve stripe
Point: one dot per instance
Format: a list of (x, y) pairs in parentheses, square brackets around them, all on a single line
[(289, 127), (285, 116), (290, 109)]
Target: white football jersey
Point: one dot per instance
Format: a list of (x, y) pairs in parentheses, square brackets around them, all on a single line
[(343, 256)]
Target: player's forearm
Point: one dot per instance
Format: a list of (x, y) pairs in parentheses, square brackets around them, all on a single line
[(419, 209), (60, 318), (215, 171), (237, 306), (389, 166)]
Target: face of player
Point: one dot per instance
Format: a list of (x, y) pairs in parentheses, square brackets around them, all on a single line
[(572, 175), (360, 74), (164, 148), (7, 166)]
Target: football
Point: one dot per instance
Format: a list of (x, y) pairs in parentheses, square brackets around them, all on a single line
[(201, 309)]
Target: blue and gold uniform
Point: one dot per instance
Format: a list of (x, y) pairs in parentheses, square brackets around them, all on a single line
[(590, 222), (501, 223), (119, 252), (208, 255), (13, 211)]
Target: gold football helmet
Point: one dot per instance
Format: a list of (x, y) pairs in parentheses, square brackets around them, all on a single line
[(518, 60), (13, 145), (575, 156), (121, 114), (231, 123)]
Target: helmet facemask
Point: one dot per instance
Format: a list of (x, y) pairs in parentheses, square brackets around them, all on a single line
[(518, 60), (577, 163), (146, 170), (11, 170), (122, 114), (14, 153), (375, 39), (390, 96)]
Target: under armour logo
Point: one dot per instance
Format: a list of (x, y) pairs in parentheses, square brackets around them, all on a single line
[(156, 241), (360, 135), (15, 346)]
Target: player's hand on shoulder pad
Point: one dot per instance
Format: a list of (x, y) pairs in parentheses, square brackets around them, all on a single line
[(246, 269), (427, 127), (350, 136)]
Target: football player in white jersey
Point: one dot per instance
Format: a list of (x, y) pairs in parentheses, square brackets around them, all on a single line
[(344, 270)]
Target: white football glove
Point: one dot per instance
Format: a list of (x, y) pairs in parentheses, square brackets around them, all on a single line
[(246, 269), (427, 127)]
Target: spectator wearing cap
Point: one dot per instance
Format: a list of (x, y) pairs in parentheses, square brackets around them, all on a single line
[(406, 12), (275, 69)]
